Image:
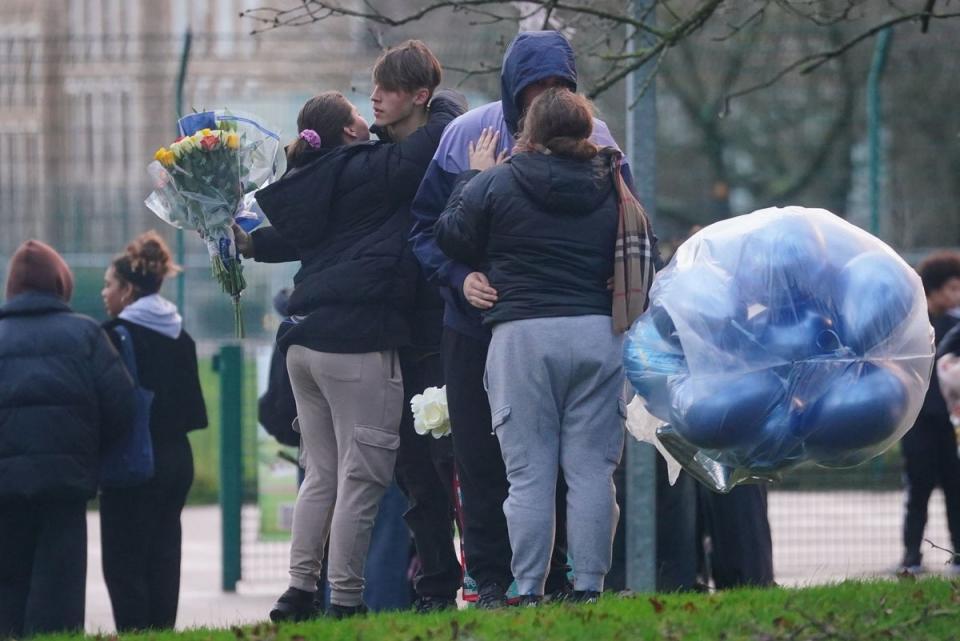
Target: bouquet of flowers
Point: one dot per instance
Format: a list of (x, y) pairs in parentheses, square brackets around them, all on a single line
[(203, 179), (430, 415)]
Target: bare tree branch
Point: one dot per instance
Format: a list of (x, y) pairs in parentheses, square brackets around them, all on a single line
[(612, 19), (809, 63)]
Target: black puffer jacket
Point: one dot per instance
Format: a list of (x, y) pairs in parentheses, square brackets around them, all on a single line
[(345, 214), (542, 228), (64, 394)]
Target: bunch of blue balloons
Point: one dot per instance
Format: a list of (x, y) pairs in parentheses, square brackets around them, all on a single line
[(783, 336)]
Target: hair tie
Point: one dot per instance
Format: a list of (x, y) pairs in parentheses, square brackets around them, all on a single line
[(312, 138)]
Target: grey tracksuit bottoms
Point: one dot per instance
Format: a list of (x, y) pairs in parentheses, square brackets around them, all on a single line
[(348, 406), (555, 388)]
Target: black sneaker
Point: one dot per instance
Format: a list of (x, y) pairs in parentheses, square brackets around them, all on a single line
[(529, 600), (428, 604), (491, 596), (337, 611), (293, 605), (583, 596), (560, 594)]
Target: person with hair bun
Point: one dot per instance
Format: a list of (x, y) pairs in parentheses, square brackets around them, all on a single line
[(541, 227), (140, 525)]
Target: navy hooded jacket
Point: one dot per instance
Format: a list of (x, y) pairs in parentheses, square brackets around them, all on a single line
[(531, 57)]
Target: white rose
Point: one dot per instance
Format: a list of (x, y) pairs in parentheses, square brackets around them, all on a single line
[(430, 412), (442, 431), (434, 416)]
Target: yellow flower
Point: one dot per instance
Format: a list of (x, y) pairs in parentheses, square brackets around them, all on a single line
[(167, 158), (233, 141), (205, 132), (159, 153)]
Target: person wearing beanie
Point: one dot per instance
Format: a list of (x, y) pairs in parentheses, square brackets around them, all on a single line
[(140, 525), (65, 397)]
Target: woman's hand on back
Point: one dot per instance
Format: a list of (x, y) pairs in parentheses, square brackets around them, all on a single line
[(483, 153)]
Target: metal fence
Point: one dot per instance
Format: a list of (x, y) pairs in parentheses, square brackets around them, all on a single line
[(827, 524)]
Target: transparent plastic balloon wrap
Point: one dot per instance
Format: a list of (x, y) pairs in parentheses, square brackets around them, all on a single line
[(778, 337)]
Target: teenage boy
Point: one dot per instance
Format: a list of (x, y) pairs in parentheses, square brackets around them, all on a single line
[(404, 80), (930, 447), (532, 63)]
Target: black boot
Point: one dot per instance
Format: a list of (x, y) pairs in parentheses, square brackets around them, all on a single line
[(293, 605)]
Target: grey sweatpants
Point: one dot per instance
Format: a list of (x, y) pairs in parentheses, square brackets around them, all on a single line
[(555, 388), (348, 408)]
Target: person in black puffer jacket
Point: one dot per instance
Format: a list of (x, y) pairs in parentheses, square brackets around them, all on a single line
[(140, 525), (542, 227), (342, 209), (65, 397)]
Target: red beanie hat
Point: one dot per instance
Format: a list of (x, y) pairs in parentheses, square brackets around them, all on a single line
[(38, 267)]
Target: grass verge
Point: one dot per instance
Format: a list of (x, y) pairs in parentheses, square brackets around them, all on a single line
[(850, 611)]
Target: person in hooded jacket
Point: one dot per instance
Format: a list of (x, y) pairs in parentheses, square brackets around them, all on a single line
[(533, 62), (342, 209), (543, 228), (140, 525), (65, 397)]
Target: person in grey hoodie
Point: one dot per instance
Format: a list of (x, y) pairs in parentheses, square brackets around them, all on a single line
[(140, 525)]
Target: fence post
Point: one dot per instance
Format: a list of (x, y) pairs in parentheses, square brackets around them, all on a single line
[(641, 495), (229, 364)]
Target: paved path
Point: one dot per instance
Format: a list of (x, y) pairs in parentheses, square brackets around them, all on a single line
[(201, 601), (818, 537)]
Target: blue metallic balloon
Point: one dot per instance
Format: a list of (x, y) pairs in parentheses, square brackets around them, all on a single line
[(876, 296), (702, 300), (725, 411), (862, 407), (812, 334), (776, 447), (780, 263), (661, 320), (649, 359)]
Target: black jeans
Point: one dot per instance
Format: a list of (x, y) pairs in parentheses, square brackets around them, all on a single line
[(141, 537), (483, 478), (741, 552), (676, 511), (43, 567), (926, 467), (425, 475)]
